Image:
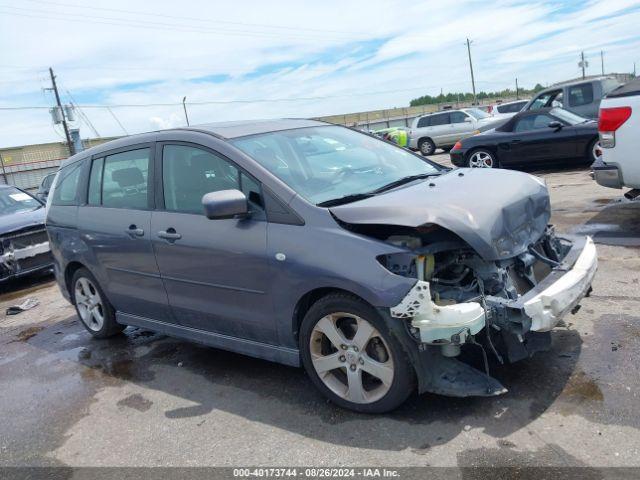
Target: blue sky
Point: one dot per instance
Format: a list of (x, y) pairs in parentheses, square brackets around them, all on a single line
[(293, 58)]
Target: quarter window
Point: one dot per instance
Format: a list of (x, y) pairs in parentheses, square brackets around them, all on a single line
[(66, 189), (125, 180), (95, 182), (188, 173)]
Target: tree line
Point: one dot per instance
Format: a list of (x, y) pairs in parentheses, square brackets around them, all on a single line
[(468, 96)]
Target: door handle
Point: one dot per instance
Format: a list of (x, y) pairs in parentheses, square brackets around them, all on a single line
[(169, 234), (134, 231)]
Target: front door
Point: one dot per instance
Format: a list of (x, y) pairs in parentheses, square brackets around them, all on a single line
[(534, 142), (116, 226), (215, 271)]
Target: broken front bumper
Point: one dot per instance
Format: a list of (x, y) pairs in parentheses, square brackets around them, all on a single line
[(559, 292), (543, 306)]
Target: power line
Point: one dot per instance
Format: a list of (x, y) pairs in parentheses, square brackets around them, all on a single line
[(230, 102), (123, 22), (207, 20)]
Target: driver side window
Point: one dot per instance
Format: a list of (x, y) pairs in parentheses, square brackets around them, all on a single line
[(532, 122)]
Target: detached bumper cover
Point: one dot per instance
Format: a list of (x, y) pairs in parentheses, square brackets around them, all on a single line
[(563, 289)]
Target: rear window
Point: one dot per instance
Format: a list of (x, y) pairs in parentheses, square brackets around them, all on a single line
[(580, 95)]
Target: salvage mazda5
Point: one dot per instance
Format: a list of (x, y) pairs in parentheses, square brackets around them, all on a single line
[(312, 244)]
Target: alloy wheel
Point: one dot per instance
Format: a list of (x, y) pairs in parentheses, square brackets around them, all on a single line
[(89, 304), (351, 358), (481, 159), (596, 151)]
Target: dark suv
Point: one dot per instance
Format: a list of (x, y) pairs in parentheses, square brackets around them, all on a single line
[(307, 243)]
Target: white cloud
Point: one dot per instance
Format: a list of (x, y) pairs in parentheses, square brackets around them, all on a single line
[(107, 55)]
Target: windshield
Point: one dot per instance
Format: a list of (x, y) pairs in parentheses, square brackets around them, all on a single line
[(477, 113), (328, 163), (13, 200), (569, 117)]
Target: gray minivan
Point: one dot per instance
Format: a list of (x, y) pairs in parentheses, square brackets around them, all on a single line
[(311, 244)]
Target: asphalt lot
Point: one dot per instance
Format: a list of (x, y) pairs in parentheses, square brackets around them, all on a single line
[(142, 399)]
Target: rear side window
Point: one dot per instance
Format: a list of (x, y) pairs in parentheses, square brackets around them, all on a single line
[(440, 119), (424, 122), (66, 190), (511, 107), (125, 178), (580, 95)]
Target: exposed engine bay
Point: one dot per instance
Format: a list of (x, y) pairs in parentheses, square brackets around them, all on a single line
[(506, 306)]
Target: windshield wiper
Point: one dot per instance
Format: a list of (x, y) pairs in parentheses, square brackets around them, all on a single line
[(346, 199), (403, 180)]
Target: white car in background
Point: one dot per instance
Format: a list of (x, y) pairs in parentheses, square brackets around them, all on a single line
[(507, 109), (618, 125)]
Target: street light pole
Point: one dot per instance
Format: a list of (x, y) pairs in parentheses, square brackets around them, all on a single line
[(473, 81)]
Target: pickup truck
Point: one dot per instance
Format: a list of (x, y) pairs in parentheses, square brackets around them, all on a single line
[(618, 127)]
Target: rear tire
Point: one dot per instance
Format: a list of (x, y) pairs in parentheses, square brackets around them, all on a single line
[(592, 151), (427, 147), (482, 158), (95, 312), (352, 358)]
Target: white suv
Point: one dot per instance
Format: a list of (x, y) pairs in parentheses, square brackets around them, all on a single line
[(444, 129), (619, 124)]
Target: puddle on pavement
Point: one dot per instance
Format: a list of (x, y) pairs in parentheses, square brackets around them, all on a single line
[(618, 224)]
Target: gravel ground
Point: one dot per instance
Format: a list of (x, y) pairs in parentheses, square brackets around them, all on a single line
[(142, 399)]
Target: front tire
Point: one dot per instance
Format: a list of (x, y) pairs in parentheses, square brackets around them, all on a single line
[(482, 158), (352, 358), (95, 312), (427, 147)]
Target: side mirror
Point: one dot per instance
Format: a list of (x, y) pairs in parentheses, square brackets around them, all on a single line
[(225, 204), (555, 125), (468, 119)]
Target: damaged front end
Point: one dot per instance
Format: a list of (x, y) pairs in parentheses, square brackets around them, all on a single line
[(24, 251), (505, 307)]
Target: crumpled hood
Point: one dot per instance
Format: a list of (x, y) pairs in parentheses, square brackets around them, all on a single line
[(499, 213), (17, 221)]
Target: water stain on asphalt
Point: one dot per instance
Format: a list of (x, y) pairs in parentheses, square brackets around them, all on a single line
[(137, 402), (28, 333), (583, 387), (549, 461)]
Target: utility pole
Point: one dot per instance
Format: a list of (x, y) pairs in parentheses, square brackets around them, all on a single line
[(184, 105), (473, 81), (602, 61), (582, 63), (517, 94), (72, 150)]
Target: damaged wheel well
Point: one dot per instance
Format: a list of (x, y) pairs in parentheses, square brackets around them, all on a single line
[(308, 299)]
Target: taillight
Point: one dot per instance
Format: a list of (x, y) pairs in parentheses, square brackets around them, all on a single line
[(610, 120), (490, 109), (457, 146)]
